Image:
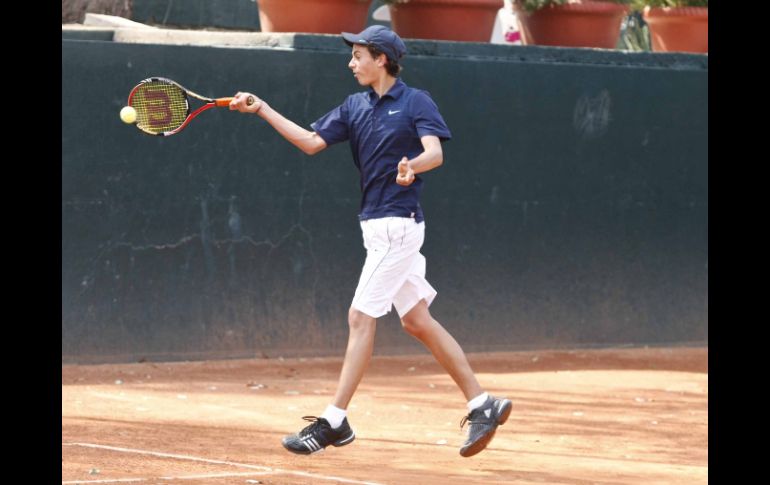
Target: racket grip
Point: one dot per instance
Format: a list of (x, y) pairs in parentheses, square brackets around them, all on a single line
[(225, 102)]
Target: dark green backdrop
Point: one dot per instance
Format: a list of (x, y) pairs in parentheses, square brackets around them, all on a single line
[(571, 210)]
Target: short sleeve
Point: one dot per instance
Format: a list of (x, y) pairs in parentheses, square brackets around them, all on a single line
[(427, 119), (333, 126)]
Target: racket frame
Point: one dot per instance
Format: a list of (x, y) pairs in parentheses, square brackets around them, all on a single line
[(209, 103)]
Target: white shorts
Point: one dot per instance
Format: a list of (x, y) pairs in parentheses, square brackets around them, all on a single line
[(394, 271)]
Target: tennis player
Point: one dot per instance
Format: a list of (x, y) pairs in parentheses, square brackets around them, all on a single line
[(395, 133)]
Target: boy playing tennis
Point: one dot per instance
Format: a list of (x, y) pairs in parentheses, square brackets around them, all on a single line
[(395, 133)]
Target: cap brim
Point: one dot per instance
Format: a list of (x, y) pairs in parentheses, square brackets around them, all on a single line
[(351, 39)]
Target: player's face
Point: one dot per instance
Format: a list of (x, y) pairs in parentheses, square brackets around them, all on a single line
[(365, 68)]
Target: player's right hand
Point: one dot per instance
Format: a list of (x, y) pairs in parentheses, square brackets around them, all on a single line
[(405, 175), (240, 103)]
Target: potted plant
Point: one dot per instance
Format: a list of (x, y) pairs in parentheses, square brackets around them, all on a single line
[(571, 23), (460, 20), (317, 16), (677, 25)]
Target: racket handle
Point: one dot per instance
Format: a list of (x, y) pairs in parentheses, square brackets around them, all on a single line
[(225, 102)]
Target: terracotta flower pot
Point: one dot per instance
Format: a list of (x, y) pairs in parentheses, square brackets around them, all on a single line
[(680, 29), (317, 16), (585, 24), (463, 20)]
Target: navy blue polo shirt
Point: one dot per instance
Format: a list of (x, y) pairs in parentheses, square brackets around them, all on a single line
[(382, 131)]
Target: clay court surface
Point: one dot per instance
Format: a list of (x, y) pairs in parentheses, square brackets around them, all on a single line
[(612, 416)]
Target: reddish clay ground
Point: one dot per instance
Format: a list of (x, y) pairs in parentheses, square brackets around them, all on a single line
[(618, 416)]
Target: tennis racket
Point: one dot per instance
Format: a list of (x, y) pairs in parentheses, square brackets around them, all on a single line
[(162, 106)]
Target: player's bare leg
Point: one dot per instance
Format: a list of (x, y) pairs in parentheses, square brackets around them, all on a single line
[(357, 356), (332, 427), (419, 323), (486, 412)]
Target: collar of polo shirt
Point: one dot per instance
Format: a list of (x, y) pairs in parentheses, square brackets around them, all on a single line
[(394, 92)]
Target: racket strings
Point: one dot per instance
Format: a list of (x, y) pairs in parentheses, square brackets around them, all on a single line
[(160, 107)]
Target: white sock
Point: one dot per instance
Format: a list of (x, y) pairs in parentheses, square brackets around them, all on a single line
[(334, 415), (477, 401)]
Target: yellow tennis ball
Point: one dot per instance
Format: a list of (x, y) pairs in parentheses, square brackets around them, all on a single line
[(128, 114)]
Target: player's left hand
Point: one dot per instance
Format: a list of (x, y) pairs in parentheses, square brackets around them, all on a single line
[(405, 173)]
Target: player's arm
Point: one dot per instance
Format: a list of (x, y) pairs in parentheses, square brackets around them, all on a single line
[(431, 157), (307, 141)]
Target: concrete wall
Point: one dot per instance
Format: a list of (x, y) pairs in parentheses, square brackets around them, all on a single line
[(221, 14), (572, 208)]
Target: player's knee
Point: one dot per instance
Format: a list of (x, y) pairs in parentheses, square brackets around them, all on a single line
[(358, 320), (417, 321), (412, 325)]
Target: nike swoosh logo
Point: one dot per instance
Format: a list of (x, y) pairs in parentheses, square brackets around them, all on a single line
[(393, 112)]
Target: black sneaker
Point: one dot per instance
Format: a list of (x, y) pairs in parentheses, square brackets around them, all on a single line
[(318, 436), (484, 421)]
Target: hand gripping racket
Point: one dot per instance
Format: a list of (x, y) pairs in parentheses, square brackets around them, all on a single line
[(162, 106)]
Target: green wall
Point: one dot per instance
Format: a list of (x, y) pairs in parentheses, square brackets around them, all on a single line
[(571, 209)]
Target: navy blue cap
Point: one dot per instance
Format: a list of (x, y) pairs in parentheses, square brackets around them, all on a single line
[(380, 37)]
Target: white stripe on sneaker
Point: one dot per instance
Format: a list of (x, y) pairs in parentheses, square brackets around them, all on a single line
[(310, 443)]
